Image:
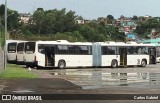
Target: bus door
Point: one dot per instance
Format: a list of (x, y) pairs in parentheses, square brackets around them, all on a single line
[(49, 56), (123, 56), (152, 55)]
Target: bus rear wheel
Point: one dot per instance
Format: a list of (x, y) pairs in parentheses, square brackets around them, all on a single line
[(143, 63), (114, 64), (61, 64)]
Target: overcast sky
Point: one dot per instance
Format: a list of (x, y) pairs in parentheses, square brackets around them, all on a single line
[(91, 9)]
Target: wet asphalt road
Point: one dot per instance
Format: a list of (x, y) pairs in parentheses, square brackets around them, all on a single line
[(101, 78), (131, 80)]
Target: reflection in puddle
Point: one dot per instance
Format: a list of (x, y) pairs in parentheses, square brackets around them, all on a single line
[(23, 91), (99, 79)]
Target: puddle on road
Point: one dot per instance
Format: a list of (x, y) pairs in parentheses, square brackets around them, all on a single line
[(23, 91), (101, 79)]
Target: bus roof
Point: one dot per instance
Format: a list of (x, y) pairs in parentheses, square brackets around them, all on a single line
[(67, 43), (13, 41), (89, 43), (125, 44)]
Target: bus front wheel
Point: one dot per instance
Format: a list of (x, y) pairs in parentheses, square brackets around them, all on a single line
[(114, 64), (61, 64), (143, 63)]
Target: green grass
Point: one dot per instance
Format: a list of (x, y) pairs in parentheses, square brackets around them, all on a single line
[(14, 71)]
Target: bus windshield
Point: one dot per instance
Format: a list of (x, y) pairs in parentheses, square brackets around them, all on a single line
[(12, 47), (30, 47)]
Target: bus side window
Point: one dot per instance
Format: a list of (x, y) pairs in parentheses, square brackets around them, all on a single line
[(83, 50), (41, 48), (144, 50), (62, 49), (130, 50), (138, 50)]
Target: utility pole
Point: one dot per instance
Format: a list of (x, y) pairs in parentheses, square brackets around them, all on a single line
[(5, 36)]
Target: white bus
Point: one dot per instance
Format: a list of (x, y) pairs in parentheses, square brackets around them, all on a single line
[(156, 43), (58, 54), (11, 51), (20, 52), (117, 54), (63, 54)]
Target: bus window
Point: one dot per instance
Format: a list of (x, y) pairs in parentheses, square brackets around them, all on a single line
[(109, 50), (113, 50), (20, 48), (30, 47), (73, 49), (62, 49), (104, 50), (144, 50), (84, 50), (41, 48), (12, 47), (138, 50)]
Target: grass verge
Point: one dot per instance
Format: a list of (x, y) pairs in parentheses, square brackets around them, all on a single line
[(15, 71)]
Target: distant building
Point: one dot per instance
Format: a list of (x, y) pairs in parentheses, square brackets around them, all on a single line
[(126, 25), (144, 18), (82, 21), (24, 17), (131, 36)]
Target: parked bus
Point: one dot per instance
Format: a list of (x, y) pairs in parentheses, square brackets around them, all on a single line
[(11, 51), (20, 52), (63, 54), (58, 54), (156, 42), (117, 54)]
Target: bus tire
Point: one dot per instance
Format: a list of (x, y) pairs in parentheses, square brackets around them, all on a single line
[(61, 64), (114, 64), (143, 63)]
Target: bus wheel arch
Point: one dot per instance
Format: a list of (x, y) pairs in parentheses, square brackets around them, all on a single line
[(61, 64), (143, 62), (114, 63)]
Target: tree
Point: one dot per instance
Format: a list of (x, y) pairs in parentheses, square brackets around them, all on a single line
[(13, 20), (2, 9), (38, 18), (102, 21), (79, 18), (49, 23), (135, 17), (144, 28), (110, 19), (60, 24), (69, 21)]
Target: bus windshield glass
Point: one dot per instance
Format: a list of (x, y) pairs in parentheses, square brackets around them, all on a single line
[(12, 47), (30, 47)]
